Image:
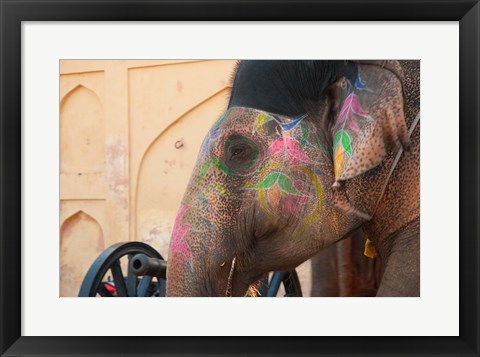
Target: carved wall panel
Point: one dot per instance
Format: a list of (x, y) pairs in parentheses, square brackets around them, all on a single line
[(81, 238), (121, 177)]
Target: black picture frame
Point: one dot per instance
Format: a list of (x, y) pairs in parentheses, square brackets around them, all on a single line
[(13, 12)]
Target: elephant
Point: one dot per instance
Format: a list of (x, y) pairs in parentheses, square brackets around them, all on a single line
[(306, 153)]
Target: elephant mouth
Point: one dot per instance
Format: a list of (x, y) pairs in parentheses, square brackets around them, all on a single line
[(253, 290)]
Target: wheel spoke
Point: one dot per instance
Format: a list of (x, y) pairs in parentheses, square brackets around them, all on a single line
[(162, 287), (118, 279), (288, 284), (144, 285), (131, 279), (275, 282), (292, 284)]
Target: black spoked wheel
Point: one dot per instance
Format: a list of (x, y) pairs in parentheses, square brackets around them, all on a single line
[(286, 279), (106, 277)]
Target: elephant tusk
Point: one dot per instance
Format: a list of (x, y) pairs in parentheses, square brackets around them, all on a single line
[(228, 292)]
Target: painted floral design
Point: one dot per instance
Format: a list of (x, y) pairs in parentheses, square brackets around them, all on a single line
[(347, 126), (265, 118), (292, 148), (281, 192), (352, 108), (343, 149), (284, 183)]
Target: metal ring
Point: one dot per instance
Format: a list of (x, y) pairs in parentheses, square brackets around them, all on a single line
[(179, 144)]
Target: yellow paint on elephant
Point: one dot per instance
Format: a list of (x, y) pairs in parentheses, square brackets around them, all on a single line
[(259, 122), (321, 199), (264, 197), (222, 190), (340, 160)]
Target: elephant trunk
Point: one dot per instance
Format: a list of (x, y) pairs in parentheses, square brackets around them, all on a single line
[(197, 264), (180, 279), (180, 271), (190, 276)]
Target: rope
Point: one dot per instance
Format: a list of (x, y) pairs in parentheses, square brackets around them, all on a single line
[(395, 162)]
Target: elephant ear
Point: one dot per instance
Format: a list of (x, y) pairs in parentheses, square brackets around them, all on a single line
[(370, 119)]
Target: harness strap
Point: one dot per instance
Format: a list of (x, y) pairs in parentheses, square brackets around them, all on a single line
[(394, 165)]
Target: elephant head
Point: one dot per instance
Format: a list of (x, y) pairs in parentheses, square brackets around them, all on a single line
[(285, 171)]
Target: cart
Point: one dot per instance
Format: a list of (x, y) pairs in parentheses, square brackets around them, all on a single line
[(135, 269)]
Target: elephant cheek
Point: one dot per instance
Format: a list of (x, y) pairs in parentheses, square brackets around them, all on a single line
[(291, 205), (284, 204), (274, 198)]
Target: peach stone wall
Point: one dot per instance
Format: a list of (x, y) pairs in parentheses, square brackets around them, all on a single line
[(121, 177)]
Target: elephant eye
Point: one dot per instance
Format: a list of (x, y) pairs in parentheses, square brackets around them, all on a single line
[(237, 151), (240, 152)]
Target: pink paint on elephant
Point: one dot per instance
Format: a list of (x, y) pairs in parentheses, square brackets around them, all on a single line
[(291, 205), (178, 243), (293, 149), (350, 107)]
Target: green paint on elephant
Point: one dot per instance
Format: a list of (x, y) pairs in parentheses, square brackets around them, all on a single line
[(269, 180), (305, 133), (287, 186), (284, 183), (219, 120), (203, 171), (342, 137), (219, 164)]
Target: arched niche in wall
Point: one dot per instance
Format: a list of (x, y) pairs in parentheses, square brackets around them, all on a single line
[(166, 167), (82, 132), (81, 241)]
